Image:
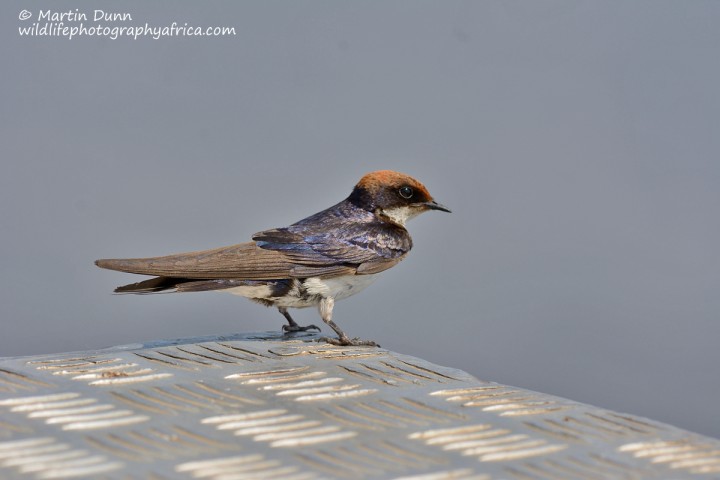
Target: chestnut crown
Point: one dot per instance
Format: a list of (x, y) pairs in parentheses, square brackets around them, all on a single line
[(387, 191)]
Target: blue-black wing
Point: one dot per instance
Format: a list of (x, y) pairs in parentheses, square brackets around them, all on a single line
[(341, 235)]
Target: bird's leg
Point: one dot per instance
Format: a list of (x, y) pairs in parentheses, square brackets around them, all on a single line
[(326, 308), (292, 326)]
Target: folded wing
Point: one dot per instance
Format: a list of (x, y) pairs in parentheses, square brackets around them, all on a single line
[(242, 261)]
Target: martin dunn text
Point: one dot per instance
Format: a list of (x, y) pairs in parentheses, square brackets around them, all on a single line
[(78, 16)]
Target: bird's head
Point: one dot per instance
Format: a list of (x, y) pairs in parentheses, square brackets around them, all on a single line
[(393, 195)]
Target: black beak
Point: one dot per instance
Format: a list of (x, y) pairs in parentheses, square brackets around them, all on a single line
[(433, 205)]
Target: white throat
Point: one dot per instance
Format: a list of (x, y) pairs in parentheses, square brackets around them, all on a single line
[(401, 215)]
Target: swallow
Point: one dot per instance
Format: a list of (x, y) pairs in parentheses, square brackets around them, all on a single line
[(325, 257)]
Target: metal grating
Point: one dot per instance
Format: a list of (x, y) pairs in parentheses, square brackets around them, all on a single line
[(265, 406)]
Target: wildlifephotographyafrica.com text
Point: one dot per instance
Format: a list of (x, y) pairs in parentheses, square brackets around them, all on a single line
[(102, 23)]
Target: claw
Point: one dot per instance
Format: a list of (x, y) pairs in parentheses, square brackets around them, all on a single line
[(346, 342), (298, 328)]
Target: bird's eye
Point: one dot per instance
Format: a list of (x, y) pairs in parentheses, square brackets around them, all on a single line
[(406, 192)]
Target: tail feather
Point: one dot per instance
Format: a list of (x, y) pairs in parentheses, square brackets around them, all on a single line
[(153, 285), (165, 284)]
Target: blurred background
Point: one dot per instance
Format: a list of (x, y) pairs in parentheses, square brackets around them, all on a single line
[(575, 141)]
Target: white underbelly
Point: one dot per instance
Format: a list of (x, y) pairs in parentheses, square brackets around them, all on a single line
[(309, 292), (254, 291), (338, 287)]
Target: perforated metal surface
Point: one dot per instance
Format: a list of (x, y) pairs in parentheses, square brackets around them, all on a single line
[(264, 407)]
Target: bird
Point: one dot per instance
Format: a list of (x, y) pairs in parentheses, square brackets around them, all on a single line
[(316, 261)]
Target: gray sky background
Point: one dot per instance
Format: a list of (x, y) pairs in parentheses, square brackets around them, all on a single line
[(576, 142)]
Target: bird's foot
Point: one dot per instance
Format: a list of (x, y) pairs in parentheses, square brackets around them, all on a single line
[(345, 341), (298, 328)]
